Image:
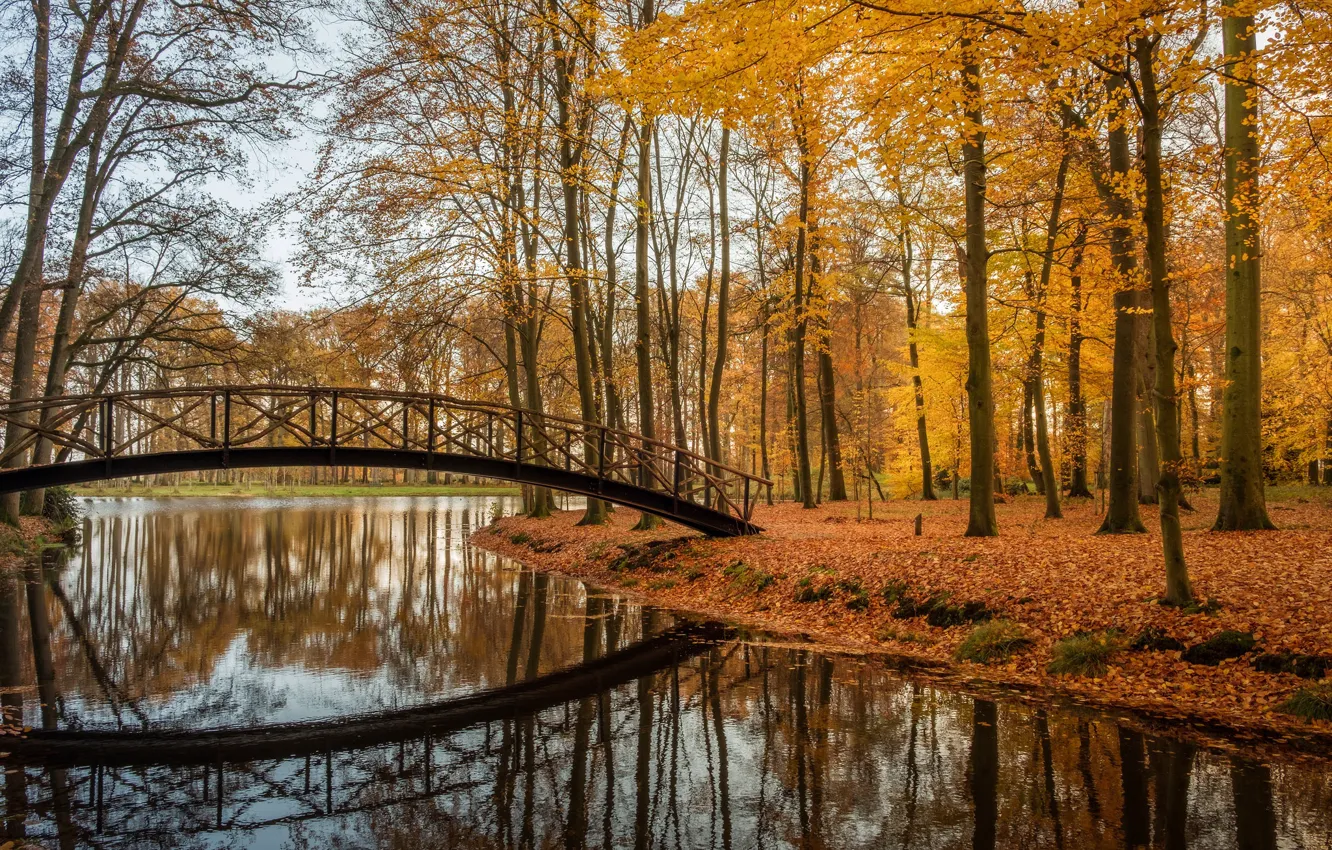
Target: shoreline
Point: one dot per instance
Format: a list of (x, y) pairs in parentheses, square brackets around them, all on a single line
[(1230, 705)]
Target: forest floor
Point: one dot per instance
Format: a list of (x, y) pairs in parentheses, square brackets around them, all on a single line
[(186, 489), (840, 579)]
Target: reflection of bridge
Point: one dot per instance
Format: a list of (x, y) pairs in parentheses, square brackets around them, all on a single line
[(93, 437), (282, 741)]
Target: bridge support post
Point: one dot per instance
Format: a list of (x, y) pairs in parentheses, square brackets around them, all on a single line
[(675, 487), (430, 438), (518, 444), (226, 428), (333, 430)]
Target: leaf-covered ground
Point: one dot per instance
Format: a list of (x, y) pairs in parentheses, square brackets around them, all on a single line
[(824, 573)]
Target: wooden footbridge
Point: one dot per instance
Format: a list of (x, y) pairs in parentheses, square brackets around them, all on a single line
[(76, 439)]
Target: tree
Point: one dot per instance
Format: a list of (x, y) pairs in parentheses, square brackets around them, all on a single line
[(1243, 505)]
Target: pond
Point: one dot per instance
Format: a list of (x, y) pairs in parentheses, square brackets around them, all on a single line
[(359, 626)]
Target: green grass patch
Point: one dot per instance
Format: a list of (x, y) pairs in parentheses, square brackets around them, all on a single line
[(11, 542), (1311, 703), (893, 591), (1087, 654), (1155, 639), (1219, 647), (747, 579), (662, 584), (945, 616), (993, 642), (809, 591), (521, 538), (857, 597), (695, 573), (1304, 666)]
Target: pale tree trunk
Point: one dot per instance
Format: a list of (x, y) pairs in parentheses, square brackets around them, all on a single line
[(1075, 421), (647, 425), (1178, 589), (832, 442), (1243, 501), (800, 325), (980, 402), (723, 304), (569, 161), (25, 291), (917, 385), (1049, 482)]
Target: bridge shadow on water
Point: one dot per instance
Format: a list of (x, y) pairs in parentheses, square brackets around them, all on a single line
[(351, 673)]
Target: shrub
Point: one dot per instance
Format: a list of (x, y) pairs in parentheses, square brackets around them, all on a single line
[(908, 607), (858, 599), (1087, 654), (1304, 666), (1219, 647), (745, 578), (61, 506), (807, 591), (994, 641), (894, 590), (946, 616), (1311, 703), (1154, 639)]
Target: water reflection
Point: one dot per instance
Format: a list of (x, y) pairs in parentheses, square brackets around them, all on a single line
[(187, 615)]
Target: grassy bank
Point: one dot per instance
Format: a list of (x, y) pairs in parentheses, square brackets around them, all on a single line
[(260, 489), (1048, 607)]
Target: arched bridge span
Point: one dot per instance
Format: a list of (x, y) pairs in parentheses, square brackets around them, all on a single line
[(76, 439)]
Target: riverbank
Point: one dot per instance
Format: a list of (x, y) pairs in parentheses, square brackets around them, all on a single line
[(19, 544), (143, 491), (1046, 592)]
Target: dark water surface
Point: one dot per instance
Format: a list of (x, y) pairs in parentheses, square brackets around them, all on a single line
[(196, 614)]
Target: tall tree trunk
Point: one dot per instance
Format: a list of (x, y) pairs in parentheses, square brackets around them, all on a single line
[(529, 332), (647, 425), (723, 303), (917, 385), (1027, 427), (832, 441), (1075, 420), (570, 156), (800, 327), (1178, 590), (1243, 501), (980, 403), (1049, 482), (1122, 515), (1149, 459), (25, 292)]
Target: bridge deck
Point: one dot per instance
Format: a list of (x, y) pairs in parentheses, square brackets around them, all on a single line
[(75, 439)]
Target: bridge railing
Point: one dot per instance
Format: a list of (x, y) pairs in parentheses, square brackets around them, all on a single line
[(112, 425)]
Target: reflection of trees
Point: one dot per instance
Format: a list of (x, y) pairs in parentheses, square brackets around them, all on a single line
[(746, 745), (376, 592)]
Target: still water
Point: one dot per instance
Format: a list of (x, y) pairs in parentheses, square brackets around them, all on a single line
[(185, 615)]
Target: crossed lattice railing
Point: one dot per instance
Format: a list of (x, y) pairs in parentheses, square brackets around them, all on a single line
[(115, 425)]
